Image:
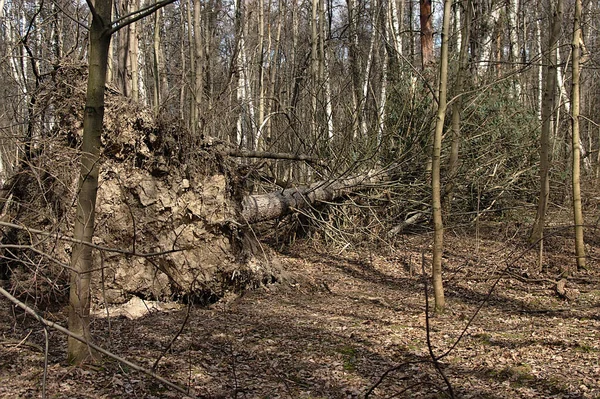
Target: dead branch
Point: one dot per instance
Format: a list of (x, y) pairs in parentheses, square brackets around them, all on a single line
[(274, 155), (79, 338)]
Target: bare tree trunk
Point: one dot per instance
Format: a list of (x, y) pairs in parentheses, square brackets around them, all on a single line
[(261, 76), (463, 64), (156, 63), (100, 34), (199, 58), (426, 34), (438, 225), (575, 147), (354, 66), (193, 116), (132, 46), (548, 107), (81, 258), (326, 76), (511, 14), (314, 70), (396, 19)]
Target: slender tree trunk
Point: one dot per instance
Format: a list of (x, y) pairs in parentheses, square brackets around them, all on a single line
[(326, 76), (396, 19), (366, 77), (156, 63), (274, 65), (548, 107), (575, 148), (354, 61), (193, 116), (259, 145), (132, 46), (314, 70), (199, 58), (511, 14), (81, 259), (463, 64), (438, 225)]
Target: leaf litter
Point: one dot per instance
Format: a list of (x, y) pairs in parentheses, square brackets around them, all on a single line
[(338, 325)]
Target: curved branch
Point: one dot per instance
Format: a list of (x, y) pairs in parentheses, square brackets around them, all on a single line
[(63, 330)]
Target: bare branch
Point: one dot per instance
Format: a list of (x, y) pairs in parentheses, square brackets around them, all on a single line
[(79, 338), (89, 244), (137, 15), (274, 155)]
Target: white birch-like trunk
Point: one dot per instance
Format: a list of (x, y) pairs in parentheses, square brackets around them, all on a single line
[(366, 80), (540, 77), (198, 83), (485, 55), (261, 75), (514, 41), (394, 14)]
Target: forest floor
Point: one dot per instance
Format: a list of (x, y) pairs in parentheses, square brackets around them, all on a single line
[(350, 323)]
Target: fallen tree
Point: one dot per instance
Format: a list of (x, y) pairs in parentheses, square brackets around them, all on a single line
[(263, 207), (172, 210)]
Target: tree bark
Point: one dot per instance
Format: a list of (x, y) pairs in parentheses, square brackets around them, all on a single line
[(575, 148), (426, 34), (81, 259), (263, 207), (438, 225), (463, 64), (547, 111)]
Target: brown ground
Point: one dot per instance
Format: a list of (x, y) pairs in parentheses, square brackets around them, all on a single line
[(346, 319)]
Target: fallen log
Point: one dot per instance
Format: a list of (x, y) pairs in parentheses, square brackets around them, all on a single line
[(263, 207)]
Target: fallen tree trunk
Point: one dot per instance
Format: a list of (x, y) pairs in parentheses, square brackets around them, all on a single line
[(263, 207)]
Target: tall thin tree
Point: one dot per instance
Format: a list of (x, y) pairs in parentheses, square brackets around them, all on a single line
[(575, 148), (438, 224), (547, 112)]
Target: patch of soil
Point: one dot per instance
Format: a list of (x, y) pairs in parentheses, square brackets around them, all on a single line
[(349, 320)]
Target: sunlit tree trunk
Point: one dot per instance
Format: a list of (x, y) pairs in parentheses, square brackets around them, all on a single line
[(156, 64), (396, 18), (198, 83), (354, 66), (132, 58), (193, 116), (426, 34), (575, 146), (261, 76), (326, 75), (81, 258), (548, 109), (366, 77), (438, 225), (463, 64), (314, 58), (511, 14)]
